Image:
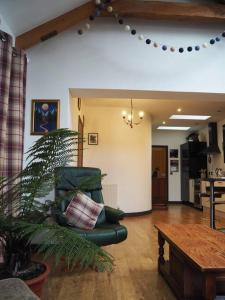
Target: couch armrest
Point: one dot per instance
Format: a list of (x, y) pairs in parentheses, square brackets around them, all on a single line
[(113, 215), (59, 217)]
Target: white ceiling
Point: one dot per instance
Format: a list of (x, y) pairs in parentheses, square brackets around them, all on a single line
[(23, 15), (161, 110)]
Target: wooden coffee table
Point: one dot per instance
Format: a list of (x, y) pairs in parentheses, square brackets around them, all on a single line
[(196, 266)]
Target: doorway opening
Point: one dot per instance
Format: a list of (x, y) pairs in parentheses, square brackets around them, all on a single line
[(159, 177), (124, 153)]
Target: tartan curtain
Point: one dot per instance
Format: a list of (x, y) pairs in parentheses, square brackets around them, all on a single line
[(13, 66)]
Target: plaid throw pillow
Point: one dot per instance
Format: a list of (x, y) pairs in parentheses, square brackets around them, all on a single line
[(83, 212)]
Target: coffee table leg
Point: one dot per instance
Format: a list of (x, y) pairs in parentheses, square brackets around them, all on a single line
[(161, 242), (209, 287)]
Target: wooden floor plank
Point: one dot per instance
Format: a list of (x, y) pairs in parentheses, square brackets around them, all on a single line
[(135, 276)]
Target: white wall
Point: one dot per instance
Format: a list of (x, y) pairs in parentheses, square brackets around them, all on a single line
[(124, 154), (4, 26), (172, 139), (109, 57)]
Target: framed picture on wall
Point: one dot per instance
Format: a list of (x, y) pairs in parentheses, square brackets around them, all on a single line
[(92, 138), (173, 153), (174, 165), (44, 116)]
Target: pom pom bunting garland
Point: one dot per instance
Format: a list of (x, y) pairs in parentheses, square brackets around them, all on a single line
[(102, 5)]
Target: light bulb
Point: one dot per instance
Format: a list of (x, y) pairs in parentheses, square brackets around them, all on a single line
[(124, 113), (179, 109), (141, 114)]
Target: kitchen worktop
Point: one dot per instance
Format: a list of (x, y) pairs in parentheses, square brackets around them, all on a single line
[(214, 179)]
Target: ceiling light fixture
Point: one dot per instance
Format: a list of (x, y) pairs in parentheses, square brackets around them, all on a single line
[(129, 117), (164, 122), (184, 128), (179, 110), (189, 117)]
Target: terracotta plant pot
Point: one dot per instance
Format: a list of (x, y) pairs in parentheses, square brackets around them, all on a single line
[(36, 284)]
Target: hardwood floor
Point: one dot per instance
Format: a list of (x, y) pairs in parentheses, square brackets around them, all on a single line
[(135, 276)]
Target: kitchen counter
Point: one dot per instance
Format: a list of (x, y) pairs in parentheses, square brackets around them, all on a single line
[(214, 179)]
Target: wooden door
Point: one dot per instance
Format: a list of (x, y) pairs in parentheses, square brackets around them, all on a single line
[(159, 177), (80, 143)]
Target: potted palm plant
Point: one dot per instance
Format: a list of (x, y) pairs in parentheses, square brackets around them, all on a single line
[(24, 219)]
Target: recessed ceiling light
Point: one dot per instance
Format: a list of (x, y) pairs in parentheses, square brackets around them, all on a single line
[(164, 122), (185, 128), (189, 117), (179, 109)]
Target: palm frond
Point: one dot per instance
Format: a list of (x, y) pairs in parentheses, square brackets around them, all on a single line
[(63, 242), (22, 214)]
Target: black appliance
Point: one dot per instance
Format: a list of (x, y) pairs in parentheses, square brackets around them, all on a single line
[(213, 140), (192, 161)]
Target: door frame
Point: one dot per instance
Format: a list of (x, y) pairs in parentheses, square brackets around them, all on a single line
[(167, 172), (80, 142)]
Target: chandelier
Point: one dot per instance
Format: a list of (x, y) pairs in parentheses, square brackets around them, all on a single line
[(129, 118)]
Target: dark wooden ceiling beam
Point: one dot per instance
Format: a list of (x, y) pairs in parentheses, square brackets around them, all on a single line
[(126, 8), (170, 10), (55, 26)]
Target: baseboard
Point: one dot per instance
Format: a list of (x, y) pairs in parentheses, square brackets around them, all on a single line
[(192, 205), (159, 207), (174, 202), (199, 208), (188, 203), (136, 214)]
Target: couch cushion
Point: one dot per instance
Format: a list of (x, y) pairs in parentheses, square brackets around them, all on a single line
[(68, 178), (101, 218), (97, 197), (83, 212), (66, 197)]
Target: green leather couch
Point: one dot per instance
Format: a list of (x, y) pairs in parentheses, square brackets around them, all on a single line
[(108, 229)]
